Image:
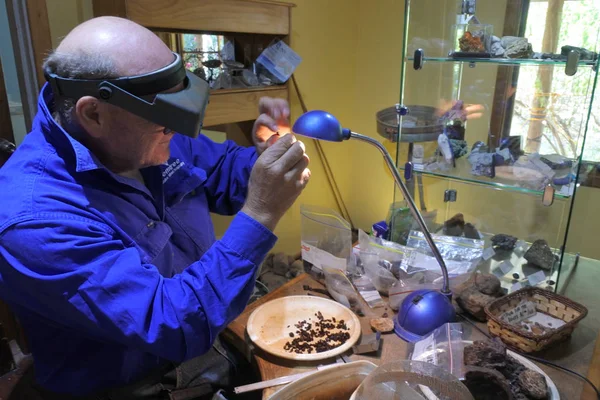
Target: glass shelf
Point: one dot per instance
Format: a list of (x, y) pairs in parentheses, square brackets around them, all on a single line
[(505, 61), (462, 173)]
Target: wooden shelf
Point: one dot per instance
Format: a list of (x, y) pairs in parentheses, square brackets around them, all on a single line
[(240, 16), (236, 105)]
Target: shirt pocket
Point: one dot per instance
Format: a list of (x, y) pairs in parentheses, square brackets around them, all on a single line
[(152, 239)]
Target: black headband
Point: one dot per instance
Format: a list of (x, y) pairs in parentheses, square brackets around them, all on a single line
[(138, 85)]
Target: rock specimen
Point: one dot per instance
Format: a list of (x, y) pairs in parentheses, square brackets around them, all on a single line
[(473, 295), (278, 268), (497, 49), (471, 232), (455, 225), (382, 325), (470, 43), (519, 48), (485, 354), (540, 254), (506, 41), (533, 384), (491, 355), (487, 384), (504, 242)]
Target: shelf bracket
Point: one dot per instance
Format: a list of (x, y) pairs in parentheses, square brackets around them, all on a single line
[(572, 61), (548, 195), (419, 59)]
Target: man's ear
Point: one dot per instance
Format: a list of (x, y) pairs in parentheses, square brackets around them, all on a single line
[(90, 116)]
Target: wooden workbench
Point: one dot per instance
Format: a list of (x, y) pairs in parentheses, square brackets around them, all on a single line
[(574, 354)]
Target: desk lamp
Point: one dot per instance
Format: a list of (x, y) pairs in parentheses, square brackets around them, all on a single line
[(423, 310)]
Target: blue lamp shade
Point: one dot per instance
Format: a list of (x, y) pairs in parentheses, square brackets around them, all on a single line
[(320, 125), (421, 312)]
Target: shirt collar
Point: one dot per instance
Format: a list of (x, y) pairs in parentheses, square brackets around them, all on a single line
[(84, 159)]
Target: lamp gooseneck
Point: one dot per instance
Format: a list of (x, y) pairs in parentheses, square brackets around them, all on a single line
[(411, 205)]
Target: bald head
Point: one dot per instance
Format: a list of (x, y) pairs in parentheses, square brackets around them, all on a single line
[(130, 48)]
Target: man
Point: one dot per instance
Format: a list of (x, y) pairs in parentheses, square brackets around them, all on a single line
[(107, 251)]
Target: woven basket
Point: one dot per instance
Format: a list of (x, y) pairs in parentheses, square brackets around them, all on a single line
[(547, 302)]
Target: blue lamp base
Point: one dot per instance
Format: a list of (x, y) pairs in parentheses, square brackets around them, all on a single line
[(422, 312)]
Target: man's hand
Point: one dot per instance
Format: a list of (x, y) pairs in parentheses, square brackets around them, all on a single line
[(274, 117), (277, 179)]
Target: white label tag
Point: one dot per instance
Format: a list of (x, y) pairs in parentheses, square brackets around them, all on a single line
[(424, 350), (418, 167), (320, 258), (536, 278), (516, 286), (521, 312), (505, 267), (488, 253)]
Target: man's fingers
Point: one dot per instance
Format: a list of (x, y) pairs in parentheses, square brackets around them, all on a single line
[(291, 156), (279, 148), (265, 127), (276, 108)]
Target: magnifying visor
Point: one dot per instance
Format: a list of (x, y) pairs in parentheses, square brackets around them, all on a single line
[(181, 111)]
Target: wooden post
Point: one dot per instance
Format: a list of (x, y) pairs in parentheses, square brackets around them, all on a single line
[(6, 130), (544, 77), (41, 40)]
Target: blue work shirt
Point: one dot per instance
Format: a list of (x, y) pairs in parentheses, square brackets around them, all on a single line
[(111, 278)]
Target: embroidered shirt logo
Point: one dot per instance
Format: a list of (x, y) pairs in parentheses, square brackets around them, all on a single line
[(171, 169)]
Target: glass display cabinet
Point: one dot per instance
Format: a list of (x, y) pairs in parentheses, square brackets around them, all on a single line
[(494, 106)]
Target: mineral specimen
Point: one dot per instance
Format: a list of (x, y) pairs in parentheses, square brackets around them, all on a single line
[(471, 232), (382, 325), (473, 295), (470, 43), (485, 354), (533, 384), (504, 242), (487, 384), (455, 225), (540, 254), (519, 48), (496, 47)]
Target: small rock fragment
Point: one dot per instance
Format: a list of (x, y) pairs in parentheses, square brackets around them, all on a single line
[(487, 384), (473, 301), (519, 48), (487, 284), (455, 225), (533, 384), (540, 254), (382, 325), (485, 354), (504, 242), (471, 232), (280, 264)]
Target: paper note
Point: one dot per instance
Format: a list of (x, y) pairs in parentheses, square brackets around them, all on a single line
[(488, 253), (523, 311), (424, 350), (320, 258), (536, 278)]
